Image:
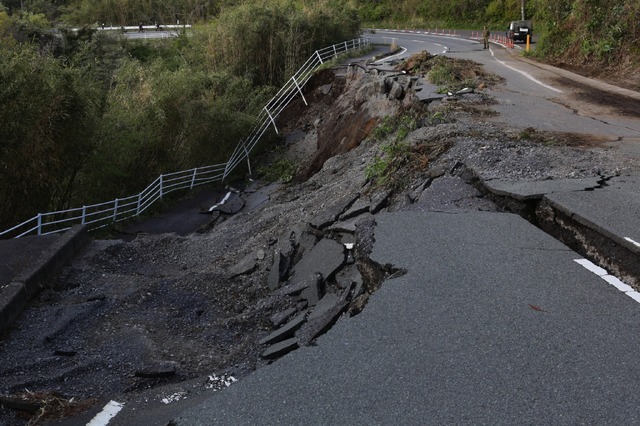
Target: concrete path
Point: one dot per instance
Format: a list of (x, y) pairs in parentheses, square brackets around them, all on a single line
[(493, 323)]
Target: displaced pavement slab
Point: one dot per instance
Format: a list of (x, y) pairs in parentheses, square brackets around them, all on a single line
[(522, 190), (494, 322), (426, 91), (231, 204), (451, 193), (324, 258), (594, 210), (254, 199), (329, 214), (183, 219), (286, 331)]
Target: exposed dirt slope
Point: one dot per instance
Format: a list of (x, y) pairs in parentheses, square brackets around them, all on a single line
[(124, 318)]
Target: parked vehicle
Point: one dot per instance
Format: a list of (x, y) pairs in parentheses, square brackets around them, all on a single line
[(519, 30)]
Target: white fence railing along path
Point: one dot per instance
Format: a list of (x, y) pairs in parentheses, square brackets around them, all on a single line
[(104, 214)]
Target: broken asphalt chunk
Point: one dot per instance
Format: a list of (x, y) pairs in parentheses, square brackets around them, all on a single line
[(294, 288), (324, 315), (379, 201), (360, 206), (535, 190), (282, 348), (230, 204), (245, 266), (286, 331), (330, 214), (349, 225), (280, 318)]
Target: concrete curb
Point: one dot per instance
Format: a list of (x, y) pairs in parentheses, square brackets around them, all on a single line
[(14, 297)]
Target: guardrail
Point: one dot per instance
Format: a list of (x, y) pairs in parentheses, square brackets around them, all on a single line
[(107, 213)]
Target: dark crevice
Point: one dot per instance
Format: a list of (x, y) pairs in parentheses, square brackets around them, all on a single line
[(373, 274), (598, 248)]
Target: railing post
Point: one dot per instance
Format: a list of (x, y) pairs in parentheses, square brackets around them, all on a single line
[(271, 118), (115, 210), (84, 215), (248, 162), (346, 46), (335, 51), (161, 176), (193, 178), (39, 230), (138, 206), (299, 90), (319, 57)]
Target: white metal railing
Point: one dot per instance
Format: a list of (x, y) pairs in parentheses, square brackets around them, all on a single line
[(104, 214)]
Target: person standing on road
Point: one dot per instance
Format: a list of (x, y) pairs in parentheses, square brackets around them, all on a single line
[(485, 37), (140, 28)]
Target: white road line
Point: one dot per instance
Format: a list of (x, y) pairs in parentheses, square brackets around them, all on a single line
[(602, 273), (224, 200), (108, 412), (432, 34), (632, 242), (592, 267), (529, 76), (391, 57)]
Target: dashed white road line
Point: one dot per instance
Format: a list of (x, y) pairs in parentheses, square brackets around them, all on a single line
[(527, 75), (602, 273), (108, 412)]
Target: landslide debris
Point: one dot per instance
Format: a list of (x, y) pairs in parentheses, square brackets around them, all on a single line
[(129, 318)]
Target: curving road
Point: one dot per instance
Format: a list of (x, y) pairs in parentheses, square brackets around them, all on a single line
[(494, 322), (537, 95)]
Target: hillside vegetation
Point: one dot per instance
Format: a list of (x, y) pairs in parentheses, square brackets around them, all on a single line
[(597, 37), (89, 116)]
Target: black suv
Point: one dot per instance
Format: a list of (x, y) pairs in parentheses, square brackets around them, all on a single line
[(519, 30)]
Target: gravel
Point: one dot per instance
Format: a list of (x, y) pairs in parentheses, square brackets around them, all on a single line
[(172, 304)]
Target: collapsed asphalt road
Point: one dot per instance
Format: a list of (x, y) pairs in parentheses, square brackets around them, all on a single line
[(165, 320)]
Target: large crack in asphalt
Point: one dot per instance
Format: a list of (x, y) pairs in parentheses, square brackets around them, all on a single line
[(593, 245), (160, 311)]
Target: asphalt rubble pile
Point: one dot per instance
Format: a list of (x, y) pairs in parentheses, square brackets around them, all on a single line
[(168, 317)]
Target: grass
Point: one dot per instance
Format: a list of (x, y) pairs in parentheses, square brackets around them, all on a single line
[(282, 170)]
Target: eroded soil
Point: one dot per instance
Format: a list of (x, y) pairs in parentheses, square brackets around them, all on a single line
[(126, 317)]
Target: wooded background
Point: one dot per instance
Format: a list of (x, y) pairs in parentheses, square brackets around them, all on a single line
[(88, 116)]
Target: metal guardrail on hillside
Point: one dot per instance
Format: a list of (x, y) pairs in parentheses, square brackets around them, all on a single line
[(104, 214)]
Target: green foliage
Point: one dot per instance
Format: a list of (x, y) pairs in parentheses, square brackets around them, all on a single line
[(130, 12), (399, 125), (282, 170), (436, 118), (598, 33), (385, 128), (254, 39), (382, 170), (48, 115)]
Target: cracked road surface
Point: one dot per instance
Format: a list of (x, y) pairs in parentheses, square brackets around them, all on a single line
[(494, 322), (540, 96)]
